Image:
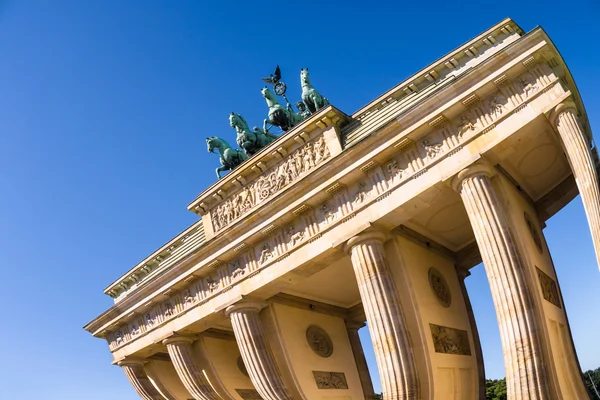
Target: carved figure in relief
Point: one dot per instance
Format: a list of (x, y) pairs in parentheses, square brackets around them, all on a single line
[(330, 380), (432, 149), (168, 309), (528, 86), (497, 106), (265, 254), (212, 284), (295, 236), (119, 337), (187, 297), (135, 329), (149, 319), (362, 194), (328, 213), (394, 171), (237, 269), (308, 157), (465, 126), (321, 150)]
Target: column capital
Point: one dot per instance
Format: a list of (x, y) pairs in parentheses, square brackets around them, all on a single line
[(178, 339), (131, 362), (371, 235), (245, 305), (567, 105), (478, 168)]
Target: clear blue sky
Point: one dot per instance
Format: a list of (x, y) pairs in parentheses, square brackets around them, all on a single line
[(104, 107)]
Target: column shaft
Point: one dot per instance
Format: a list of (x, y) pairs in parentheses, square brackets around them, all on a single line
[(521, 340), (387, 326), (134, 371), (582, 164), (361, 361), (256, 352), (190, 373)]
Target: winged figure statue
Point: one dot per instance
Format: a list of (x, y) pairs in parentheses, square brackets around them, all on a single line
[(274, 77)]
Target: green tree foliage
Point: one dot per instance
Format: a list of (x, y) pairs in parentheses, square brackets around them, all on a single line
[(595, 375), (495, 389)]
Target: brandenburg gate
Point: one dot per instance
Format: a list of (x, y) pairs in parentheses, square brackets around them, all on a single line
[(374, 218)]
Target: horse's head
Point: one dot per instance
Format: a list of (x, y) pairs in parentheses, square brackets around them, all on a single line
[(304, 77), (268, 95), (210, 143), (234, 120)]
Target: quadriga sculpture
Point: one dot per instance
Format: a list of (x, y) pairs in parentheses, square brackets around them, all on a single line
[(311, 98), (230, 158), (250, 141), (283, 117)]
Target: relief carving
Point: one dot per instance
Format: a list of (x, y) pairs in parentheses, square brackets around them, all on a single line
[(187, 297), (496, 105), (150, 320), (328, 212), (362, 194), (432, 149), (440, 288), (135, 329), (169, 309), (394, 171), (236, 269), (294, 236), (212, 284), (330, 380), (465, 126), (549, 288), (319, 341), (248, 394), (528, 85), (289, 170), (449, 340), (265, 254)]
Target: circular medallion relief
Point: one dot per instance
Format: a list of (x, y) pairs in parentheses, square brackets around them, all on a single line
[(439, 287), (535, 235), (319, 341), (242, 367)]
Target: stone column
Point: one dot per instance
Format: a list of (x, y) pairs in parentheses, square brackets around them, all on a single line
[(577, 149), (393, 351), (526, 377), (134, 370), (360, 360), (190, 373), (462, 274), (256, 352)]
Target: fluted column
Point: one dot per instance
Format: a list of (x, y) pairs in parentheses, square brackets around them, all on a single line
[(577, 149), (190, 373), (526, 377), (387, 326), (256, 352), (360, 360), (134, 370), (462, 274)]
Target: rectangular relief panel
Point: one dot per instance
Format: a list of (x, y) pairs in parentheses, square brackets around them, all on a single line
[(549, 288), (330, 380), (450, 341)]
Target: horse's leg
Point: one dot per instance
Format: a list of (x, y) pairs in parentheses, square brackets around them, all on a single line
[(221, 168)]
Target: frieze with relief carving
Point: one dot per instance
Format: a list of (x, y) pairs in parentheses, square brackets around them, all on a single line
[(293, 167), (410, 161)]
